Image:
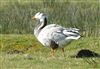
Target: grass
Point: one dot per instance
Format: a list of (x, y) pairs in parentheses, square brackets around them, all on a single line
[(37, 56), (25, 52), (15, 16)]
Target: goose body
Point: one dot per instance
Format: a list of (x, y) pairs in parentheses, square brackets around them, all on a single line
[(53, 35), (58, 34)]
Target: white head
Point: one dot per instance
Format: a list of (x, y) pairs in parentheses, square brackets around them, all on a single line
[(39, 16), (42, 18)]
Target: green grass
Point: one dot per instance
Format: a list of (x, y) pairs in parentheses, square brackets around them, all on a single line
[(15, 15), (37, 56), (25, 52)]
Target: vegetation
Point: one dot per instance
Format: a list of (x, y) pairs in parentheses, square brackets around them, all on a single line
[(20, 50), (23, 51), (15, 16)]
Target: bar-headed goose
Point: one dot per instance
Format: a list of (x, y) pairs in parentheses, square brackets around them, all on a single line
[(53, 36)]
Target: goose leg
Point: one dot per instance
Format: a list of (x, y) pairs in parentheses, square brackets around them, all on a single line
[(53, 46), (52, 52), (63, 52)]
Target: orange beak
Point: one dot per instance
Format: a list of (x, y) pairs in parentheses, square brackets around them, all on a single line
[(33, 18)]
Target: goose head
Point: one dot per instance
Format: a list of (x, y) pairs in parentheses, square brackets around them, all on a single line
[(39, 16), (42, 22)]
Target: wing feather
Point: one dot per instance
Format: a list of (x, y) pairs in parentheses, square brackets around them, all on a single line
[(58, 34)]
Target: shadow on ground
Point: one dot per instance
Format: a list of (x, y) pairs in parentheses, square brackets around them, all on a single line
[(85, 53)]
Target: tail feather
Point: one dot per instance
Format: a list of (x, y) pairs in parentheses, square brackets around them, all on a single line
[(72, 33), (72, 37)]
